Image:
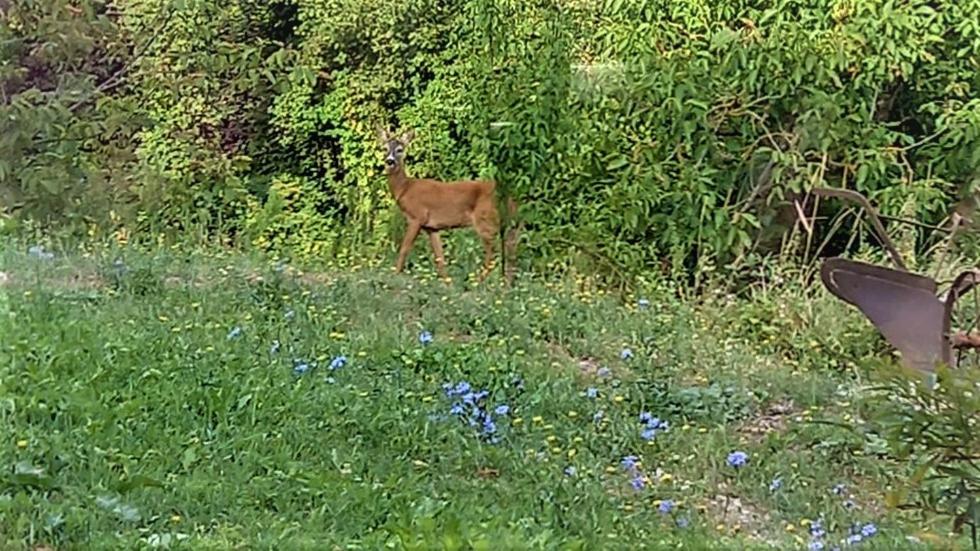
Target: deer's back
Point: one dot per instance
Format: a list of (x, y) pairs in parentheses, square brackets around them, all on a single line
[(441, 205)]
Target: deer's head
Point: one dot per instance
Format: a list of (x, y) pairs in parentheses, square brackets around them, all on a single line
[(395, 147)]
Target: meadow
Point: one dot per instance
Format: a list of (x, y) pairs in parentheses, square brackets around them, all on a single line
[(666, 372), (217, 400)]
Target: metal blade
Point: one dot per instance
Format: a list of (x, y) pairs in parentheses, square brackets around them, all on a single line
[(902, 305)]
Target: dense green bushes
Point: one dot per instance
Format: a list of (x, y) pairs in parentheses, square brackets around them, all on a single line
[(632, 131)]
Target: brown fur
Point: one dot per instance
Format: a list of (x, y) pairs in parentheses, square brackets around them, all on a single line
[(432, 206)]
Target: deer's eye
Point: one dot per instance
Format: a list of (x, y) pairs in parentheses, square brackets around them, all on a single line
[(398, 150)]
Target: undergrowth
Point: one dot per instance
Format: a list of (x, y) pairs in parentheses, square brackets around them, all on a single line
[(217, 401)]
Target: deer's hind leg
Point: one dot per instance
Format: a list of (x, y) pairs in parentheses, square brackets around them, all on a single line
[(486, 222)]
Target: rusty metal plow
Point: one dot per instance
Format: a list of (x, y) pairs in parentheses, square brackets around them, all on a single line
[(907, 308)]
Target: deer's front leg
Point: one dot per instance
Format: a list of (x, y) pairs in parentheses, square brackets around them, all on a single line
[(436, 243), (410, 234)]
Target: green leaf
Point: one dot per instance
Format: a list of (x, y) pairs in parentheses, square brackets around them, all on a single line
[(27, 475), (138, 481)]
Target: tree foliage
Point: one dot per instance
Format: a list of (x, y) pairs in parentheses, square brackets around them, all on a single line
[(632, 133)]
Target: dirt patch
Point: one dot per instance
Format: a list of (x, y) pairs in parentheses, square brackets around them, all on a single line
[(739, 515), (461, 337), (316, 278), (588, 366), (772, 419)]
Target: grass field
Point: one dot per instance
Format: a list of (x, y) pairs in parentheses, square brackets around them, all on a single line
[(213, 401)]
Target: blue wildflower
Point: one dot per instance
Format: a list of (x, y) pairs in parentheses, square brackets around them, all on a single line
[(570, 471), (869, 530), (776, 484), (461, 387), (683, 522), (816, 529), (629, 462), (457, 409), (425, 337), (331, 380), (666, 506), (502, 409), (854, 539), (604, 372), (234, 333), (274, 349), (637, 483), (738, 459), (838, 489), (643, 303), (301, 368), (290, 314), (591, 392), (597, 416), (489, 427), (39, 252), (648, 434), (626, 354), (653, 423), (338, 362), (815, 545)]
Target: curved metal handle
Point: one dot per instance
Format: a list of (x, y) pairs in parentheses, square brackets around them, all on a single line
[(963, 283), (875, 220)]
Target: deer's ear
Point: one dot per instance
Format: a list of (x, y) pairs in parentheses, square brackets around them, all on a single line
[(382, 134), (407, 137)]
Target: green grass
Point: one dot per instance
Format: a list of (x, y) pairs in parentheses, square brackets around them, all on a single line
[(135, 416)]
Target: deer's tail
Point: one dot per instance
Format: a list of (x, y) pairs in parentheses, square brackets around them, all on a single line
[(510, 240)]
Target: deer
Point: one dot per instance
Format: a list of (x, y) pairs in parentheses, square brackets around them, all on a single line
[(432, 206)]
